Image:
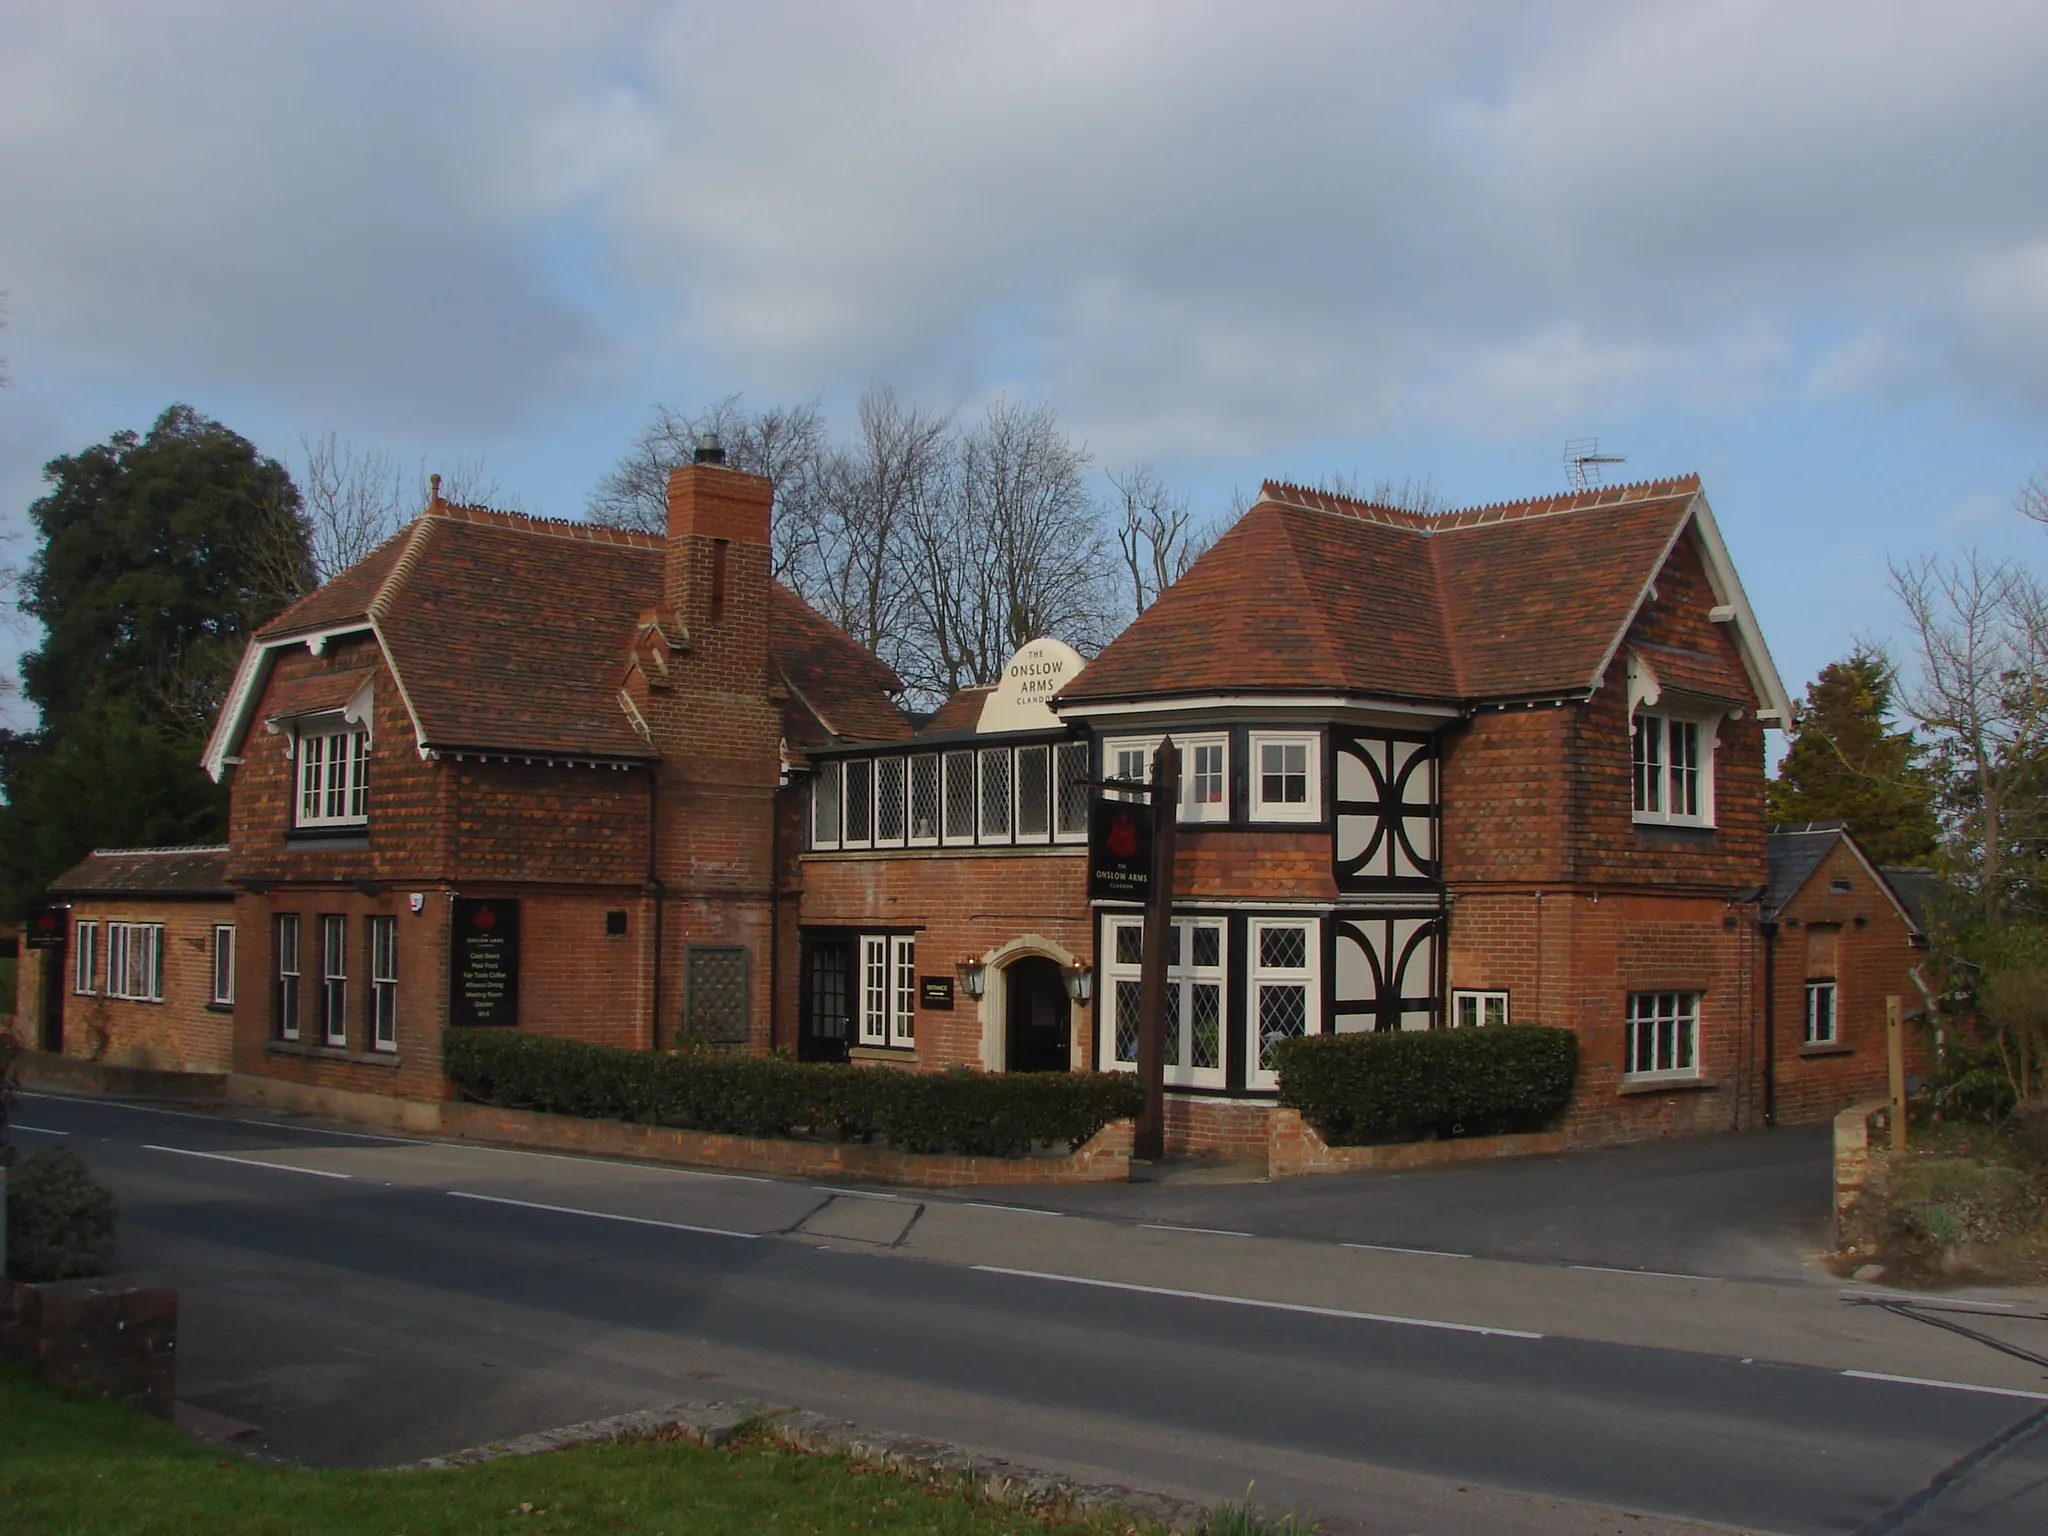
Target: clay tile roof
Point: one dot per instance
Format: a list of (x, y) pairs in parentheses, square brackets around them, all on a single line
[(315, 695), (1698, 672), (1313, 593), (962, 712), (507, 633), (193, 871)]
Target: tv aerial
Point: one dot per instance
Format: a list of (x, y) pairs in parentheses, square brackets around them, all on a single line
[(1583, 460)]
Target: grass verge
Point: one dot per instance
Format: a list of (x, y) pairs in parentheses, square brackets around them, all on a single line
[(76, 1466)]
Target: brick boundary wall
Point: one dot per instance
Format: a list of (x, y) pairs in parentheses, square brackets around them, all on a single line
[(116, 1335), (1293, 1148), (46, 1069), (1853, 1151)]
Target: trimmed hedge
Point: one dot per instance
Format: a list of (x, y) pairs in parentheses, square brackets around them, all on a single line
[(971, 1113), (1359, 1089), (60, 1219)]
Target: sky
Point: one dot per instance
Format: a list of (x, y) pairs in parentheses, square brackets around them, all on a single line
[(1801, 249)]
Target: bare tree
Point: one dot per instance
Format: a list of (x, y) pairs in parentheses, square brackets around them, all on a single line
[(2032, 500), (1016, 552), (1981, 627), (355, 497), (785, 443), (1156, 534)]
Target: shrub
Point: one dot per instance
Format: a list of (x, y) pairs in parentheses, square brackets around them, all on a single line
[(60, 1219), (971, 1113), (1405, 1086)]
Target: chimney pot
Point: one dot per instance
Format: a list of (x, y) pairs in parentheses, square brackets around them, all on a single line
[(709, 450)]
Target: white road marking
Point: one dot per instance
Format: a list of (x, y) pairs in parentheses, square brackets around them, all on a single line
[(1021, 1210), (1951, 1386), (40, 1130), (1167, 1226), (571, 1210), (1661, 1274), (246, 1162), (1268, 1306), (1931, 1303), (1434, 1253), (857, 1194), (186, 1114)]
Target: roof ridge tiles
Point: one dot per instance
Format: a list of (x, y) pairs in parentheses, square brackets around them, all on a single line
[(548, 527), (1310, 499)]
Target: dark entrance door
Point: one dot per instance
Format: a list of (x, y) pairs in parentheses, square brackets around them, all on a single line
[(53, 999), (826, 1028), (1040, 1030)]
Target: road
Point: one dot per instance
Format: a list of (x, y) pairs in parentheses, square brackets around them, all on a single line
[(369, 1299)]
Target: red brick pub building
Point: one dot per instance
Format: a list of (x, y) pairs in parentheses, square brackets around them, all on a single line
[(1504, 764)]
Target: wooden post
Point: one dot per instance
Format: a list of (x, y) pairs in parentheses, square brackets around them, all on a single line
[(1895, 1054), (1149, 1136)]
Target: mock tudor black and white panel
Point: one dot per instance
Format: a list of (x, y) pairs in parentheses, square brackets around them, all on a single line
[(1386, 812), (1384, 970)]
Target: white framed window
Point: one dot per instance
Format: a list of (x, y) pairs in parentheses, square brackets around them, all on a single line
[(288, 976), (1204, 771), (224, 963), (334, 785), (1673, 770), (1070, 792), (1196, 979), (889, 801), (995, 795), (383, 983), (1034, 794), (135, 962), (825, 806), (960, 797), (1473, 1009), (1286, 998), (1823, 1022), (857, 823), (924, 800), (85, 959), (888, 990), (334, 980), (1285, 783), (1663, 1035)]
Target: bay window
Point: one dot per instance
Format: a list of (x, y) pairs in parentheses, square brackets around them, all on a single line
[(1284, 778), (1195, 981), (1284, 1000)]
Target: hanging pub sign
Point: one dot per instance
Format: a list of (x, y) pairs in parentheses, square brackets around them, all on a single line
[(483, 974), (46, 927), (1119, 850)]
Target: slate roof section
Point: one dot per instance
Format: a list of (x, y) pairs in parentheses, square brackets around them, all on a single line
[(1795, 851), (199, 871), (1315, 593), (1914, 888), (507, 633)]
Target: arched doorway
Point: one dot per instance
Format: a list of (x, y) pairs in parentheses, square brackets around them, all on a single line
[(1039, 1032)]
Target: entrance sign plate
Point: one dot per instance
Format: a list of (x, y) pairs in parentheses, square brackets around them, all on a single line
[(46, 928), (483, 976), (935, 994), (1119, 850)]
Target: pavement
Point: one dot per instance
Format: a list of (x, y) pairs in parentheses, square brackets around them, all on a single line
[(1549, 1367)]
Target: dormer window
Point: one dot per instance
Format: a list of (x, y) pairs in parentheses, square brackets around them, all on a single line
[(333, 765), (1673, 770)]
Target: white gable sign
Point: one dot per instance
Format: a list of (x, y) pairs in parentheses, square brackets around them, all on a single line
[(1021, 700)]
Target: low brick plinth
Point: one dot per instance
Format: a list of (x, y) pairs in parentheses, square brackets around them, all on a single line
[(1293, 1148), (1852, 1155), (117, 1336), (1105, 1158), (48, 1069)]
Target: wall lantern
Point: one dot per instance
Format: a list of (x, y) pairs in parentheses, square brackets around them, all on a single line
[(971, 977), (1080, 980)]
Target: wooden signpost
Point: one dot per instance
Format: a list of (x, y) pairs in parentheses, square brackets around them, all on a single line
[(1895, 1055)]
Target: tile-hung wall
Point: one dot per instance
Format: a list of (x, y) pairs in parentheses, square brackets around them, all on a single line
[(1022, 792)]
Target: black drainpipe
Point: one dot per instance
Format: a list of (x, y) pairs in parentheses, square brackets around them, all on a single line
[(1770, 1024), (774, 913), (655, 885)]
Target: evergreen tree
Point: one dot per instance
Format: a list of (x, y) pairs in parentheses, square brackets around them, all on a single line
[(1846, 765), (157, 557)]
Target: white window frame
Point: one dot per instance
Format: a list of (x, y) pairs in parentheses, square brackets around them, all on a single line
[(1652, 793), (857, 774), (333, 980), (135, 962), (1653, 1009), (1048, 810), (1116, 766), (85, 959), (886, 990), (1470, 1007), (825, 825), (1311, 808), (1002, 760), (1070, 761), (1817, 989), (333, 790), (1308, 976), (937, 769), (224, 965), (383, 936), (1181, 981), (897, 767), (287, 937), (958, 764)]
